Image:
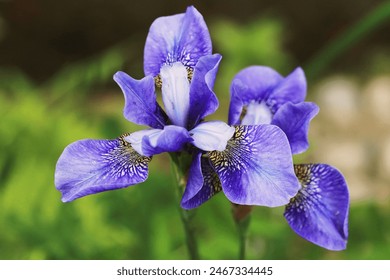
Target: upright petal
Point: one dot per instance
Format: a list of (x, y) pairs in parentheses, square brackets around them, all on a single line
[(92, 166), (263, 85), (294, 120), (256, 167), (182, 37), (155, 141), (213, 135), (141, 106), (254, 83), (202, 183), (291, 89), (176, 93), (203, 100), (319, 212)]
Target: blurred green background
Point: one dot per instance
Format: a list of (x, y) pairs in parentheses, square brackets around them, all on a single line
[(57, 60)]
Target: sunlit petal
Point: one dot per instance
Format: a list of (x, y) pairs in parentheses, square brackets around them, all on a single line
[(319, 212), (91, 166), (256, 167)]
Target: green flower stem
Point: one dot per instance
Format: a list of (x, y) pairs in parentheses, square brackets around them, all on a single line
[(180, 166), (242, 218)]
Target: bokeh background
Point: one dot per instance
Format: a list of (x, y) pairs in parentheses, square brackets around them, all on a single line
[(57, 59)]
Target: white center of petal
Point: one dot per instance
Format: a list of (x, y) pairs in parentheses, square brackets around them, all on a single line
[(176, 92), (135, 138), (213, 135), (257, 113)]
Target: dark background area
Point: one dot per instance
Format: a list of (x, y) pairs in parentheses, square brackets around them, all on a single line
[(41, 36)]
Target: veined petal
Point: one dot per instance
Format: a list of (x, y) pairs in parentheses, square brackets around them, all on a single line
[(155, 141), (182, 37), (263, 85), (256, 168), (202, 183), (213, 135), (291, 89), (92, 166), (319, 212), (176, 93), (254, 83), (294, 120), (203, 100), (141, 106)]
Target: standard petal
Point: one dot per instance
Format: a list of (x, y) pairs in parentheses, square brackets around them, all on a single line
[(92, 166), (256, 167), (294, 120), (319, 212), (266, 87), (254, 83), (213, 135), (176, 93), (155, 141), (141, 106), (290, 89), (203, 100), (182, 37), (202, 183)]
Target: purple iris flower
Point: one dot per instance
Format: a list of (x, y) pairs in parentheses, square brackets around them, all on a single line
[(252, 164), (319, 212), (178, 59), (260, 95)]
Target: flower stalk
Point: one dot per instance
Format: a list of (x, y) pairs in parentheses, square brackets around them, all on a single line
[(242, 218), (180, 166)]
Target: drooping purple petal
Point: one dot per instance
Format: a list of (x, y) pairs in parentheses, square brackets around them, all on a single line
[(141, 106), (202, 183), (182, 37), (176, 93), (254, 83), (91, 166), (319, 212), (294, 120), (203, 100), (213, 135), (155, 141), (256, 168), (264, 86)]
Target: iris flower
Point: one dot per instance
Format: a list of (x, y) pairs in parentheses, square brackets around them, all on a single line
[(319, 212), (260, 95), (252, 164)]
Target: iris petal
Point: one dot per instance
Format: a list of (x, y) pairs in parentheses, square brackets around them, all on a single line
[(263, 85), (319, 212), (176, 92), (294, 120), (155, 141), (213, 135), (202, 183), (291, 89), (254, 83), (179, 38), (256, 167), (141, 106), (203, 100), (91, 166)]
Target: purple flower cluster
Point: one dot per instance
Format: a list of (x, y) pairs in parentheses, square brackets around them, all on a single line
[(249, 158)]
